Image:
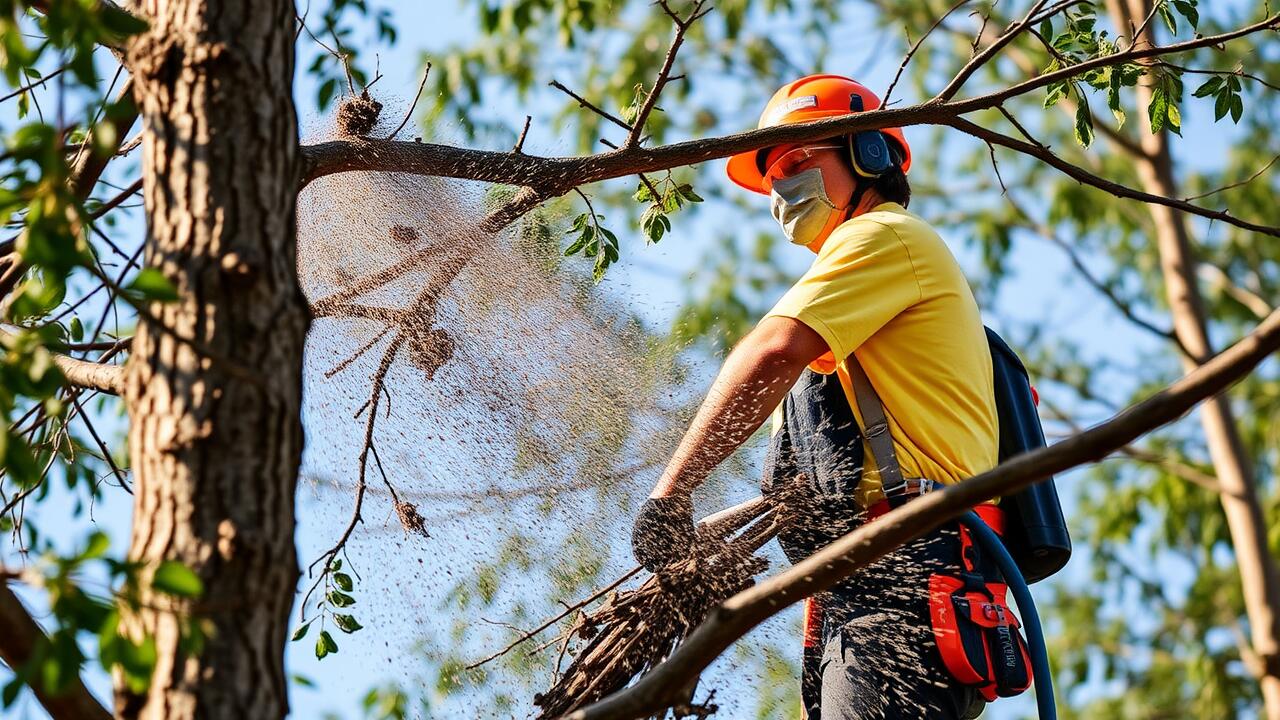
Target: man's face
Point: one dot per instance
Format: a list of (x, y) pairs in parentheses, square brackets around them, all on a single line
[(787, 161)]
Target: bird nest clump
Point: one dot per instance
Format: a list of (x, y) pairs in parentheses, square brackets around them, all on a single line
[(358, 115)]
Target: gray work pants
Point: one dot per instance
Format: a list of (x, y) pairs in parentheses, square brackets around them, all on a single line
[(879, 659)]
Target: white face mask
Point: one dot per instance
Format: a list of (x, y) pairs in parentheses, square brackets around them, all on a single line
[(801, 206)]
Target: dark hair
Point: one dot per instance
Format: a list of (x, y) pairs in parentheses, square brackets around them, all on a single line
[(893, 185)]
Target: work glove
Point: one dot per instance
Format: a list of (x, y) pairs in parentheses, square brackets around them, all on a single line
[(663, 531)]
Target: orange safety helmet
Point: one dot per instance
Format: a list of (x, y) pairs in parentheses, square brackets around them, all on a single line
[(809, 98)]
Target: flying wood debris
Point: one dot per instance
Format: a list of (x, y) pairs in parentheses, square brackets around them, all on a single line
[(637, 629)]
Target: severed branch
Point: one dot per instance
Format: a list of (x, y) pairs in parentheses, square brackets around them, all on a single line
[(661, 688), (20, 640)]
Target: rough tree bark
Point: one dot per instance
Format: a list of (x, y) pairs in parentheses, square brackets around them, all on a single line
[(215, 452), (1231, 463)]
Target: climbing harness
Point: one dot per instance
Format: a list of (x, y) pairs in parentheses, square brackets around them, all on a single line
[(979, 637)]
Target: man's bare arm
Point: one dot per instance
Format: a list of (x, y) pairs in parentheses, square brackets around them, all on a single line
[(755, 377)]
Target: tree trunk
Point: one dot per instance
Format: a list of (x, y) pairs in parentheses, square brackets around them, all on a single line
[(215, 378), (1239, 496)]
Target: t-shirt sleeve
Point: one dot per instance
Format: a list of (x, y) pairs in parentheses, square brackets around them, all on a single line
[(861, 279)]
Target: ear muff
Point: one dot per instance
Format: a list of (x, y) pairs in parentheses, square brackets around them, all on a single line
[(869, 154), (868, 151)]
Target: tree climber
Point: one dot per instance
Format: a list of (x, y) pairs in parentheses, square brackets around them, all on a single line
[(884, 310)]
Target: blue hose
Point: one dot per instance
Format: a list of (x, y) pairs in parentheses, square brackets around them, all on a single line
[(991, 543)]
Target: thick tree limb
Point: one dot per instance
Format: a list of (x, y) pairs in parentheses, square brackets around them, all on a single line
[(86, 374), (550, 177), (91, 375), (661, 688), (20, 636)]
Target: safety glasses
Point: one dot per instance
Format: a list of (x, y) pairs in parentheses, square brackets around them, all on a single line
[(792, 162)]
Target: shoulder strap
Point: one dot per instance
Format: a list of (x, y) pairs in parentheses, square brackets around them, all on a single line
[(875, 424)]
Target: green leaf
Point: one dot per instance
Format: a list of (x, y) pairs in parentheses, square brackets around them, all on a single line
[(151, 284), (1056, 92), (346, 623), (1189, 11), (686, 191), (1174, 117), (1084, 125), (1237, 108), (1158, 110), (325, 645), (99, 543), (1113, 98), (300, 633), (11, 691), (343, 581), (1222, 105), (326, 92), (122, 24), (340, 599), (175, 578), (1162, 9), (1209, 87)]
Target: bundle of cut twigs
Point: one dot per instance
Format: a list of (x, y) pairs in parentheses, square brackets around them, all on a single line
[(634, 630)]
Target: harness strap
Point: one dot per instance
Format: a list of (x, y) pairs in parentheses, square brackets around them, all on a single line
[(875, 426)]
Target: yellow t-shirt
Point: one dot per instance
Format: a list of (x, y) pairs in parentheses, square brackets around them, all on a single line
[(886, 287)]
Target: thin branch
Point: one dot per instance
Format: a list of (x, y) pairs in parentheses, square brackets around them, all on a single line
[(995, 165), (519, 146), (35, 83), (662, 686), (664, 73), (84, 175), (906, 60), (1077, 262), (102, 446), (115, 202), (1234, 185), (1246, 297), (413, 106), (988, 53), (1084, 176), (585, 103), (97, 375)]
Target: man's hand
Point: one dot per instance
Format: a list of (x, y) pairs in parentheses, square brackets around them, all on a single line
[(663, 531)]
